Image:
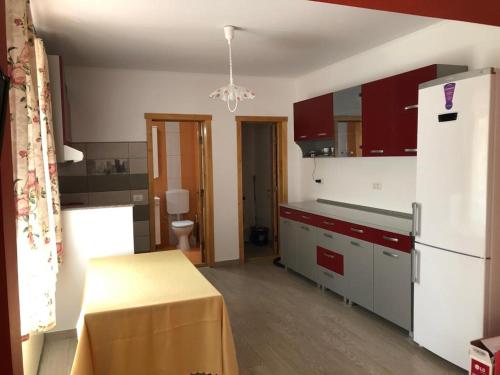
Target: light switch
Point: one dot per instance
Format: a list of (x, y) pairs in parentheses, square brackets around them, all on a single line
[(377, 186)]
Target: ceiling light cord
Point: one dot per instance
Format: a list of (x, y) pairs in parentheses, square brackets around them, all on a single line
[(231, 82)]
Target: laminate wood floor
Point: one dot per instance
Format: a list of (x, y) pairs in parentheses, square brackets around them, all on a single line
[(284, 325)]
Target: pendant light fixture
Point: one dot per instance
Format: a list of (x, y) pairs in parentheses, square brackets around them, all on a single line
[(231, 93)]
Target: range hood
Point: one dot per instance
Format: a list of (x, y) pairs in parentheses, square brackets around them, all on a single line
[(61, 113)]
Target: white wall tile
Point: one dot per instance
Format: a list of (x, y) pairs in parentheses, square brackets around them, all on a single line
[(174, 183), (174, 166), (173, 141), (172, 127)]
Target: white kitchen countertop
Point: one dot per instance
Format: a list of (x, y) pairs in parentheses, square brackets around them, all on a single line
[(92, 207), (391, 221)]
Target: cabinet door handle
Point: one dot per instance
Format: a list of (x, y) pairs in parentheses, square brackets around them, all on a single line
[(355, 243), (413, 106), (392, 239), (302, 136), (328, 222), (410, 150), (287, 212), (305, 217), (389, 254), (328, 274), (361, 231), (329, 255), (327, 235), (376, 151), (416, 219), (321, 134), (415, 266), (305, 228)]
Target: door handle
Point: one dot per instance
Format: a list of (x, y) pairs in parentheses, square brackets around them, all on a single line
[(356, 230), (321, 134), (376, 151), (392, 239), (415, 266), (389, 254), (355, 243), (305, 217), (410, 150), (408, 107), (303, 136), (327, 235), (328, 223), (415, 208), (329, 255)]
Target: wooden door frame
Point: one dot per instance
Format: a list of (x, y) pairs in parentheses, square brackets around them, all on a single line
[(280, 124), (208, 201)]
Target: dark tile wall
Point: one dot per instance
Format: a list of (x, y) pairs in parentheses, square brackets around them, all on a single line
[(111, 173)]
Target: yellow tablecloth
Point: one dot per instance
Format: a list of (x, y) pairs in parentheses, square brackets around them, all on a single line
[(152, 314)]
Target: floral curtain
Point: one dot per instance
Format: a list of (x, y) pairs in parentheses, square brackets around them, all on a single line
[(35, 171)]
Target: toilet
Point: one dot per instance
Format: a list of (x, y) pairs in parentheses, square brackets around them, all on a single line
[(178, 204)]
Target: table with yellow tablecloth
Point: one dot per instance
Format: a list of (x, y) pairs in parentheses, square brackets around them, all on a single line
[(152, 314)]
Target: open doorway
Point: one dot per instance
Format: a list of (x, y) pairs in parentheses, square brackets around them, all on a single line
[(179, 171), (262, 184)]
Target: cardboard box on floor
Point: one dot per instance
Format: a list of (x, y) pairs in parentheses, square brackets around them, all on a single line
[(482, 359)]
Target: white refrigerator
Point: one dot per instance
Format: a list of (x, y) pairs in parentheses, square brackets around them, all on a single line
[(456, 214)]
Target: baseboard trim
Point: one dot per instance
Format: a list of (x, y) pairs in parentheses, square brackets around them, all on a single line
[(67, 334), (226, 263)]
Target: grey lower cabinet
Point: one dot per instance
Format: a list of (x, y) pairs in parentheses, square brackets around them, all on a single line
[(392, 285), (297, 247), (359, 271), (288, 234), (329, 270), (375, 277)]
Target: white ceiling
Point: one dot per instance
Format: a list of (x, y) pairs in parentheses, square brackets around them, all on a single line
[(278, 37)]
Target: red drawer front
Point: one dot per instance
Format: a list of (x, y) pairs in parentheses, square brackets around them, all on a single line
[(392, 240), (353, 230), (289, 213), (330, 260), (328, 223)]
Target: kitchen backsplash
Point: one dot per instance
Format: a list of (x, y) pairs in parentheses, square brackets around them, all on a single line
[(110, 173)]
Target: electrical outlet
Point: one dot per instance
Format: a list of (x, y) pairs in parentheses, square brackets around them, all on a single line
[(318, 181), (377, 186), (137, 197)]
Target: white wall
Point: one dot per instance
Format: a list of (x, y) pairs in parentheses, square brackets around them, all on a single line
[(446, 42), (32, 351), (88, 233), (109, 105)]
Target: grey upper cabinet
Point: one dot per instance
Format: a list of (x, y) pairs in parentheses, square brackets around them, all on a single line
[(359, 271), (392, 285)]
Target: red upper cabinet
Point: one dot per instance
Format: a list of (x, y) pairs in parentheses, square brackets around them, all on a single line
[(404, 128), (313, 118), (378, 103), (390, 111)]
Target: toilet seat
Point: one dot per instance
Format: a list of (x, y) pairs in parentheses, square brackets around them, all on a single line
[(182, 223)]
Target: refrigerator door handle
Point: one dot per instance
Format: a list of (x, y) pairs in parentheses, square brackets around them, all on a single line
[(415, 208), (415, 266)]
